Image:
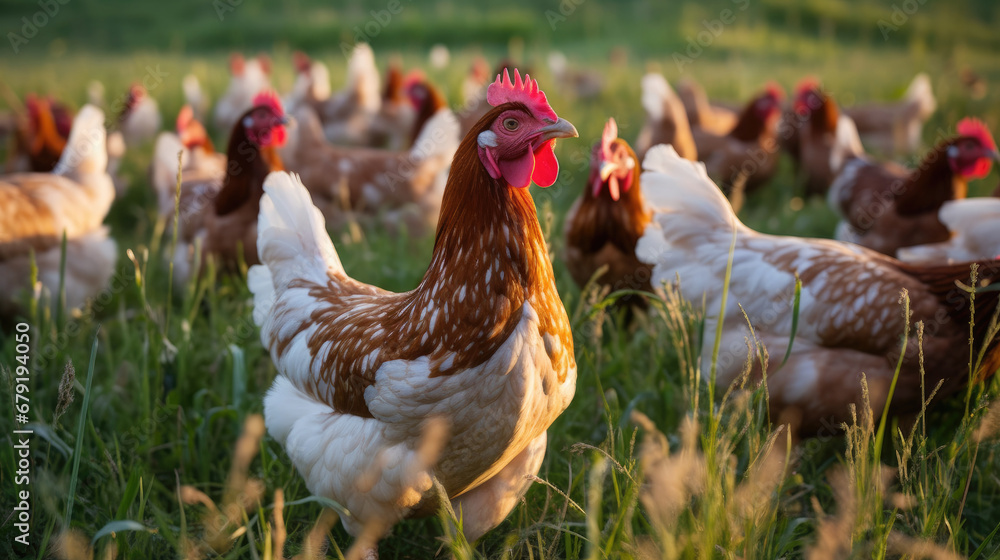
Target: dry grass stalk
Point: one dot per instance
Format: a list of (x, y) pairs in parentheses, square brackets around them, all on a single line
[(65, 392), (670, 480)]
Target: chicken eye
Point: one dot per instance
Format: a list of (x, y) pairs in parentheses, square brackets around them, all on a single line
[(511, 124)]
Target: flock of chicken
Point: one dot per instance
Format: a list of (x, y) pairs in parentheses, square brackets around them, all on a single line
[(380, 395)]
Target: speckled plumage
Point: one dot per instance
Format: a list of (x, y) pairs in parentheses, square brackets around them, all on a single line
[(850, 319), (482, 343)]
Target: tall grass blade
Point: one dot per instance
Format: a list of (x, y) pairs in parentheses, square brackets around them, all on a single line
[(81, 426)]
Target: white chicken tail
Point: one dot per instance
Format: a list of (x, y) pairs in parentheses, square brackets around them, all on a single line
[(86, 150), (672, 184), (362, 77), (164, 170), (439, 137), (655, 92), (292, 241), (847, 144), (920, 91)]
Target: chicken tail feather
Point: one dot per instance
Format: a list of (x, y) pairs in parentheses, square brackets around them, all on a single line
[(292, 241)]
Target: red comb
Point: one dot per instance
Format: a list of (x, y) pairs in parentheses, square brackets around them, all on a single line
[(412, 78), (976, 128), (504, 91), (270, 99), (775, 91), (184, 118), (808, 83), (609, 136)]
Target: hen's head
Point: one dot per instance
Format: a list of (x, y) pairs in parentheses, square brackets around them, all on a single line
[(612, 164), (265, 122), (480, 70), (768, 104), (136, 93), (301, 62), (190, 131), (415, 86), (808, 96), (971, 154), (516, 138), (237, 64)]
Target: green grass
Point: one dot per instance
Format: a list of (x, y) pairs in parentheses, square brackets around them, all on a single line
[(175, 378)]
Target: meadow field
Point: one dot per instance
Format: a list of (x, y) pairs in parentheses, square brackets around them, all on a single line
[(143, 407)]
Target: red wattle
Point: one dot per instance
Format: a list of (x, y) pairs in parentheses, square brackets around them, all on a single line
[(546, 165)]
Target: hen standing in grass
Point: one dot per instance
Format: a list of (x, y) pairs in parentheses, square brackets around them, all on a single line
[(715, 119), (139, 120), (200, 163), (608, 219), (896, 128), (40, 139), (36, 209), (666, 121), (747, 154), (826, 138), (247, 79), (886, 207), (348, 115), (850, 319), (482, 344), (219, 212)]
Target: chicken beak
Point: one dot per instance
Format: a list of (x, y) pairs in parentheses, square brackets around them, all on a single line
[(559, 129), (607, 168), (995, 155)]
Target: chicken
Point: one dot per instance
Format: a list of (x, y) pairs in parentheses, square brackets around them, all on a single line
[(826, 138), (347, 117), (974, 224), (219, 212), (393, 128), (747, 154), (36, 209), (714, 119), (604, 224), (427, 101), (195, 96), (666, 121), (402, 188), (40, 139), (312, 83), (896, 128), (474, 84), (850, 319), (140, 119), (482, 344), (886, 207), (581, 84), (200, 162), (247, 79)]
